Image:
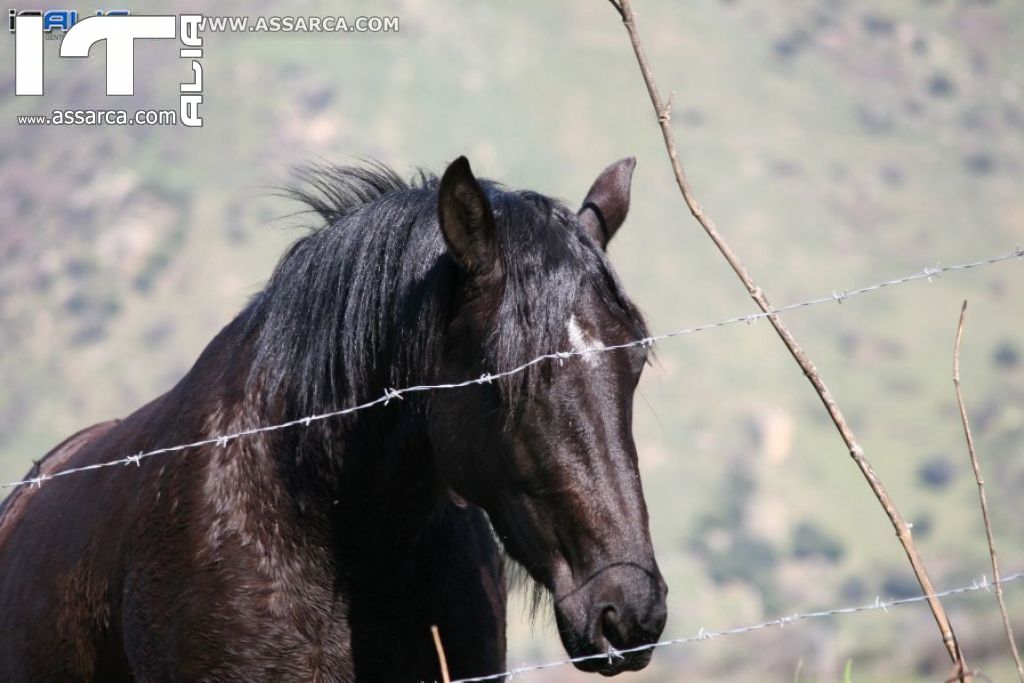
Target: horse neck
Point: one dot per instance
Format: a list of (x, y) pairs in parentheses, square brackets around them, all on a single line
[(362, 479), (388, 483), (366, 481)]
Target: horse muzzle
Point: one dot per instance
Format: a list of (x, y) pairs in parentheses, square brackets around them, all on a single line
[(617, 610)]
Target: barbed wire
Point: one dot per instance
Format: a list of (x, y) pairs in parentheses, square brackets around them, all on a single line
[(838, 296), (781, 622)]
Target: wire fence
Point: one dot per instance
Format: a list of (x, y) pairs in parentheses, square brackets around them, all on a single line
[(837, 296), (781, 622)]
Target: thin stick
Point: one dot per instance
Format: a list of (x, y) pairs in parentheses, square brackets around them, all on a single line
[(957, 676), (441, 659), (664, 115), (981, 495)]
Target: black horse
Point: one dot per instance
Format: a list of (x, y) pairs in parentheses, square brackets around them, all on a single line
[(325, 552)]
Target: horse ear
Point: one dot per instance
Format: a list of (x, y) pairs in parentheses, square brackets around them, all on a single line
[(607, 203), (466, 219)]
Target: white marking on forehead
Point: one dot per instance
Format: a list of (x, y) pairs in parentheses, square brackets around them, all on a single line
[(582, 342)]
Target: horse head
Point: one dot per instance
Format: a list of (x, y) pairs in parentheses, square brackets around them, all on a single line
[(552, 459)]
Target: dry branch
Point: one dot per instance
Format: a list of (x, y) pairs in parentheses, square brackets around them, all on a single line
[(981, 495), (441, 659), (663, 112), (970, 675)]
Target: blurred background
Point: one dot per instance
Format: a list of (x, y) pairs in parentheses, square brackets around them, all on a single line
[(836, 143)]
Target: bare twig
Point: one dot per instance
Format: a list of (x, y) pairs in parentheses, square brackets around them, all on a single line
[(966, 676), (981, 495), (441, 659), (856, 452)]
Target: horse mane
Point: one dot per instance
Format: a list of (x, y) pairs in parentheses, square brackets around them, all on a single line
[(361, 303)]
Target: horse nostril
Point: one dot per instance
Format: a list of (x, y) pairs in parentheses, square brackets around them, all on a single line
[(611, 626)]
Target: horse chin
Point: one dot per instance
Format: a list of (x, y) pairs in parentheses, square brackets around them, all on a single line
[(611, 663)]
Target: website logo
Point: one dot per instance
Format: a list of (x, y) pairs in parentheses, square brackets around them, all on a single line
[(59, 19), (120, 31)]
